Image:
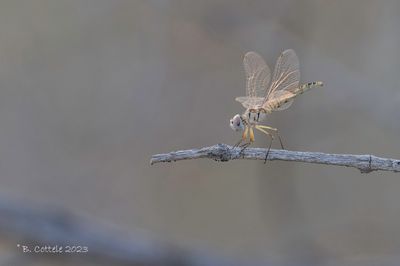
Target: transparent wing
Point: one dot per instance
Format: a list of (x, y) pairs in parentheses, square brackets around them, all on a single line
[(249, 102), (258, 75), (286, 75)]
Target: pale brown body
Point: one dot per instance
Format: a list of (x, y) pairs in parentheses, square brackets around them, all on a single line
[(266, 93), (253, 116)]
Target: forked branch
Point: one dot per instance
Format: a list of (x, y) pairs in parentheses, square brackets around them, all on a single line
[(223, 152)]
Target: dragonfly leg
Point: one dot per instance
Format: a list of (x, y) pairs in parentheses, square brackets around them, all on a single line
[(251, 139), (267, 127), (271, 139), (244, 146), (269, 148), (244, 137), (238, 143), (280, 140), (276, 132), (370, 161), (251, 134), (245, 132)]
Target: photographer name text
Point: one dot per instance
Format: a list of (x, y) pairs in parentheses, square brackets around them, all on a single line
[(53, 249)]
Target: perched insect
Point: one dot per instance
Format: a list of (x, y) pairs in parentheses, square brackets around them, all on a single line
[(263, 97)]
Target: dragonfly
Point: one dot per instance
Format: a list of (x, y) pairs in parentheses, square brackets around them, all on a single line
[(265, 95)]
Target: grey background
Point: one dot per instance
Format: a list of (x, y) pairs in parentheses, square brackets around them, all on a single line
[(89, 90)]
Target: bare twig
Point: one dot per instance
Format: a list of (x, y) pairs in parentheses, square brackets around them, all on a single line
[(223, 152)]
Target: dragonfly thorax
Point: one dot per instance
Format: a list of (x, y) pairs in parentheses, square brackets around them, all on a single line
[(254, 116)]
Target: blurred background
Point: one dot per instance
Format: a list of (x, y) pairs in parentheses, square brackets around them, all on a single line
[(89, 90)]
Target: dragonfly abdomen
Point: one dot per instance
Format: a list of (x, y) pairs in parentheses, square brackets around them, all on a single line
[(275, 104), (308, 86), (283, 100)]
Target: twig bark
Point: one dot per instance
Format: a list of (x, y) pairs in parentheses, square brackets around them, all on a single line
[(223, 152)]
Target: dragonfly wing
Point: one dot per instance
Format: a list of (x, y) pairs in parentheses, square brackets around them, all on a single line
[(258, 75), (250, 102), (286, 75)]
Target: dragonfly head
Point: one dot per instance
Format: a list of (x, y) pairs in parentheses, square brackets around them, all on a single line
[(236, 123)]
